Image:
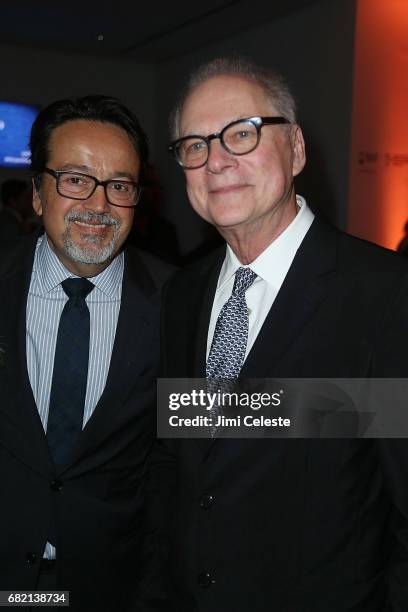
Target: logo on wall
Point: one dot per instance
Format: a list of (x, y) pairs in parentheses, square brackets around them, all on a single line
[(370, 161), (397, 160)]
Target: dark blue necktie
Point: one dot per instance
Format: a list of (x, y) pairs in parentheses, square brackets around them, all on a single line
[(68, 389)]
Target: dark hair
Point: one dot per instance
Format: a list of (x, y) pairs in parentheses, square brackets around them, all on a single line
[(274, 85), (104, 109), (12, 188)]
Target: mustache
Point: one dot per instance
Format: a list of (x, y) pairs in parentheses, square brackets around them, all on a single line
[(87, 216)]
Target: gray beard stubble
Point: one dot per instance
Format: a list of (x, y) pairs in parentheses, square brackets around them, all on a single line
[(90, 254)]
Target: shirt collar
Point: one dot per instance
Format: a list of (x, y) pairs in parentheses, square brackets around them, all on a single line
[(274, 262), (51, 271)]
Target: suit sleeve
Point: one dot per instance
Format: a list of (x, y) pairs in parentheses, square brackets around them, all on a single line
[(155, 586), (391, 361)]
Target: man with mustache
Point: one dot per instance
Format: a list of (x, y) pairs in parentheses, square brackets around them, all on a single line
[(78, 359), (273, 525)]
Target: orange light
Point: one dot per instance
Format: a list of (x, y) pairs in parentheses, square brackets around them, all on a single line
[(378, 190)]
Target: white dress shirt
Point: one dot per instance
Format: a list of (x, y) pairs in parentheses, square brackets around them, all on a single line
[(271, 267)]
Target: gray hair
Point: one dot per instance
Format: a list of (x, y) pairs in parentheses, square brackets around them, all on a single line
[(272, 83)]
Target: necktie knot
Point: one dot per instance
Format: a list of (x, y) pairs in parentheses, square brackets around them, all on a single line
[(77, 287), (244, 277)]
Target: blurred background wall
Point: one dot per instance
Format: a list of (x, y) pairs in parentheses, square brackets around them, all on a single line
[(143, 53)]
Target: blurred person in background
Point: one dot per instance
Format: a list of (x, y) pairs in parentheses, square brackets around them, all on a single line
[(16, 214)]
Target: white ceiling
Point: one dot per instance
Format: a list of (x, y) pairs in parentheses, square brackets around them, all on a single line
[(144, 31)]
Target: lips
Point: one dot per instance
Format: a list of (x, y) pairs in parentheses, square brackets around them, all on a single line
[(89, 219), (227, 189), (92, 228), (92, 225)]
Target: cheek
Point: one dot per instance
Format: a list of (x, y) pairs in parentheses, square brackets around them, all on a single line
[(199, 203), (53, 216), (126, 219), (53, 205), (273, 176), (54, 226), (196, 186), (197, 193)]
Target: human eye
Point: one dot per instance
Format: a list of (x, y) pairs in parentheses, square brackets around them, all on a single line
[(73, 179), (197, 146), (194, 146), (74, 182), (241, 133), (240, 137), (122, 187)]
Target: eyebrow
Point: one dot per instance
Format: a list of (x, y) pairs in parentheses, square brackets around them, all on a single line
[(236, 118), (87, 170)]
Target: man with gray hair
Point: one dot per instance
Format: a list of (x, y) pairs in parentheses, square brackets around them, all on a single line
[(294, 525)]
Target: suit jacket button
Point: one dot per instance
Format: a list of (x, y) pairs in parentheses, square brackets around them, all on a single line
[(56, 485), (31, 558), (206, 501), (205, 579)]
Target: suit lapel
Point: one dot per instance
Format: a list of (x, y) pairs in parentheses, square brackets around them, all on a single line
[(137, 326), (200, 298), (304, 289), (21, 419), (203, 303)]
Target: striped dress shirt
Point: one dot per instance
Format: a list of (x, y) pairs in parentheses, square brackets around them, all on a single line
[(46, 300)]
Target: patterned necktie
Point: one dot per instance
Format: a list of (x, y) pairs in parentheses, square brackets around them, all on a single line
[(70, 374), (230, 338)]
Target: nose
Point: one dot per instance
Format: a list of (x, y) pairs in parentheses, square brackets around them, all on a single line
[(97, 201), (219, 159)]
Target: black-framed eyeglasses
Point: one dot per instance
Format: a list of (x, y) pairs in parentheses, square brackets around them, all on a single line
[(78, 186), (238, 138)]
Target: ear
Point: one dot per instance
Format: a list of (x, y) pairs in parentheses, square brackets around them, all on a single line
[(299, 154), (37, 205)]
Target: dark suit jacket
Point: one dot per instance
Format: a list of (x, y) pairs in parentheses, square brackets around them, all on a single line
[(96, 500), (295, 525)]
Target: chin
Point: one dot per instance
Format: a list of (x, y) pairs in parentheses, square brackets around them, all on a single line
[(227, 215), (91, 252), (229, 218)]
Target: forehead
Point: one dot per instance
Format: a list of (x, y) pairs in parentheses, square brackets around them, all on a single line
[(219, 100), (75, 140)]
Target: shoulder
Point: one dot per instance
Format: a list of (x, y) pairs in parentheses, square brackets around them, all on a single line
[(355, 257), (363, 258), (189, 291), (147, 267), (199, 271), (365, 274), (17, 254)]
